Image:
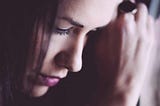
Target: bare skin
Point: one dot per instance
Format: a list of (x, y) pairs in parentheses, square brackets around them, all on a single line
[(120, 50), (124, 52), (150, 95), (75, 18)]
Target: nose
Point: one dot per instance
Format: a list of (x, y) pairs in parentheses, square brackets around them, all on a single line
[(71, 58)]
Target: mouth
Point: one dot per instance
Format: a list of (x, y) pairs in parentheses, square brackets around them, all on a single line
[(49, 81)]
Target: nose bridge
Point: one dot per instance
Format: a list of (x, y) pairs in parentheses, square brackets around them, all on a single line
[(76, 50)]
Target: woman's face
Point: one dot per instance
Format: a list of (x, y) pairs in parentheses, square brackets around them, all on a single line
[(75, 18)]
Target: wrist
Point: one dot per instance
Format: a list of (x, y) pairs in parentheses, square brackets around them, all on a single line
[(112, 94)]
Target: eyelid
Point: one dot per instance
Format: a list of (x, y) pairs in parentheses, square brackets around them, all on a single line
[(61, 31)]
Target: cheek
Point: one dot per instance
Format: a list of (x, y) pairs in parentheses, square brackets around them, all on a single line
[(57, 43)]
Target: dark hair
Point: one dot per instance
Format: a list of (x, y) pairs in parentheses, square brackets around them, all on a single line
[(21, 23), (18, 40)]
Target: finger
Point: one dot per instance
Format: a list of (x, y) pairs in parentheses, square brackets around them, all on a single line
[(125, 16), (150, 24), (151, 28), (129, 23), (142, 14)]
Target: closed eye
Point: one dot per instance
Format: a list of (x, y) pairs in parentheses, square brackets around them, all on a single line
[(61, 31)]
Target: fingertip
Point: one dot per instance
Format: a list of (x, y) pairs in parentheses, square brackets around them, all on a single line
[(142, 7), (142, 12)]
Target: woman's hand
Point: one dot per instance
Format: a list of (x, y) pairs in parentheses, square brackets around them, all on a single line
[(150, 95), (123, 54)]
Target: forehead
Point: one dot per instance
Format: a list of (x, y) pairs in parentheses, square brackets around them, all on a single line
[(88, 12)]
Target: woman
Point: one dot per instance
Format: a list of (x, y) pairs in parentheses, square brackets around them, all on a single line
[(44, 41)]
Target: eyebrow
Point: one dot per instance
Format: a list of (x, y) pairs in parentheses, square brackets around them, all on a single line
[(73, 22)]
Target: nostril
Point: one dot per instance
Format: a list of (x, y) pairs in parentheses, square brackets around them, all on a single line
[(70, 62), (62, 60)]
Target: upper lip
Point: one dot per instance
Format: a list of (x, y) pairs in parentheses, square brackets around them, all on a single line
[(44, 75)]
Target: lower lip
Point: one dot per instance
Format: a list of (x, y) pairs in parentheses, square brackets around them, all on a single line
[(48, 81)]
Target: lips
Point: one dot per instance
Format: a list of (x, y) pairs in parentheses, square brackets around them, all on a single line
[(48, 80)]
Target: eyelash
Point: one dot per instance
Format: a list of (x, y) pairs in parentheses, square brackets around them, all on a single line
[(67, 31), (62, 31)]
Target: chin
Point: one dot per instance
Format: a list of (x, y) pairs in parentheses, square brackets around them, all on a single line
[(39, 91)]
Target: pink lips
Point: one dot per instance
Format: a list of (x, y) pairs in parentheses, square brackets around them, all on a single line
[(48, 80)]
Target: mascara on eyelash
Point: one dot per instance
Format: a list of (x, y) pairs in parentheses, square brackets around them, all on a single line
[(61, 31)]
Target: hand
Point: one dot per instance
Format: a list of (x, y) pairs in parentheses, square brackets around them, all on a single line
[(123, 53), (151, 88)]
